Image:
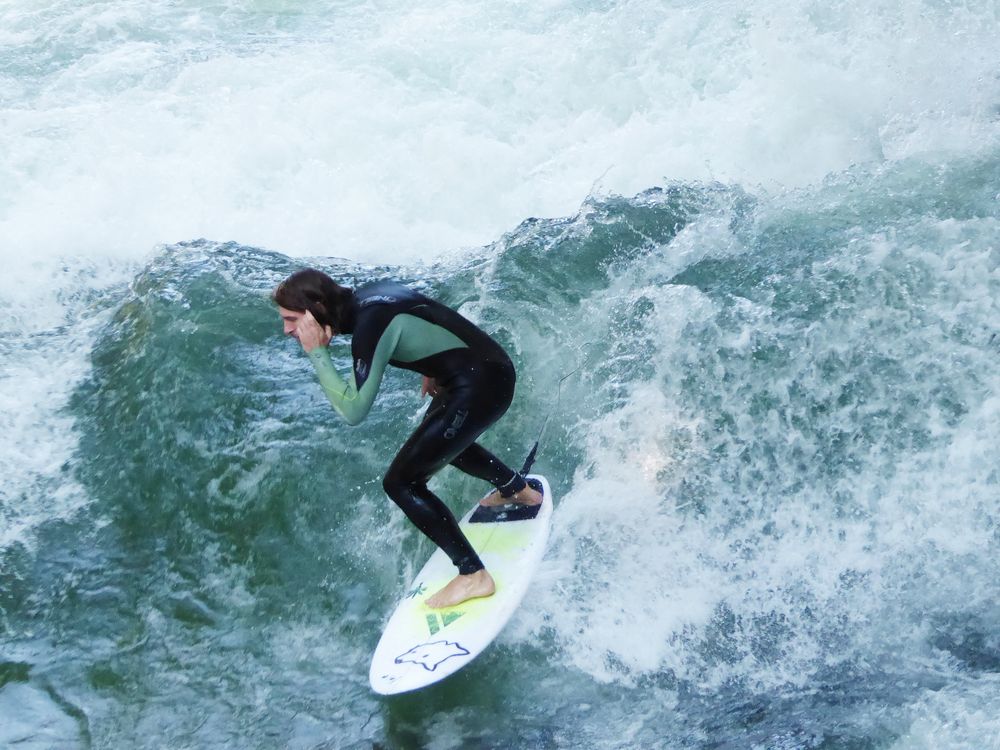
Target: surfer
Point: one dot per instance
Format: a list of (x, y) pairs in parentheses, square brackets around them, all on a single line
[(468, 375)]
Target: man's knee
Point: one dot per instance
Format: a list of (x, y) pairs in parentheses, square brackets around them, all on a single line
[(393, 485), (400, 485)]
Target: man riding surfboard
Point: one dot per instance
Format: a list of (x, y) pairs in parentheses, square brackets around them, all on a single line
[(468, 374)]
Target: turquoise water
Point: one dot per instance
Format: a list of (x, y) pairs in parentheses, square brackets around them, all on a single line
[(773, 256)]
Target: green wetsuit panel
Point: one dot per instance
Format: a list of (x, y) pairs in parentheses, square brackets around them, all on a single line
[(407, 338)]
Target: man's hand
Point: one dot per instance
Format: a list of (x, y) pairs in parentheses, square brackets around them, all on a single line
[(428, 387), (311, 334)]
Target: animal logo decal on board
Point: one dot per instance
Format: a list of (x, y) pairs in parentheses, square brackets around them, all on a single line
[(431, 655)]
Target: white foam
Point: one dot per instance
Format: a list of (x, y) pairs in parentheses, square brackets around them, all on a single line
[(704, 537), (33, 720), (965, 716), (39, 372), (392, 132)]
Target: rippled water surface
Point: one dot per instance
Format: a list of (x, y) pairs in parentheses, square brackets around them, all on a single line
[(768, 235)]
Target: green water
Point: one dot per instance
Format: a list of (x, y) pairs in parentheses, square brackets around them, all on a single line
[(772, 523)]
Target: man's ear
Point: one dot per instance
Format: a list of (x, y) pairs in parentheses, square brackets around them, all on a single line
[(320, 313)]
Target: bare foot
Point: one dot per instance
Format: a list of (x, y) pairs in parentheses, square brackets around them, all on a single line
[(462, 588), (528, 496)]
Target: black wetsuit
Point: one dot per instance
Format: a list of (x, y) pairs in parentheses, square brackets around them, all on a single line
[(393, 325)]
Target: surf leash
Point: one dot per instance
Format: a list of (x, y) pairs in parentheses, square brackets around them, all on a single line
[(530, 460)]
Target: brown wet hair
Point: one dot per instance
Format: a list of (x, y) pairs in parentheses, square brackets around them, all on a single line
[(313, 291)]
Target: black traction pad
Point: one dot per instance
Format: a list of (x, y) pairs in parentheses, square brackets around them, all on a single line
[(508, 512)]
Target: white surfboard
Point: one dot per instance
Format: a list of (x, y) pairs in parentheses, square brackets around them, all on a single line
[(420, 645)]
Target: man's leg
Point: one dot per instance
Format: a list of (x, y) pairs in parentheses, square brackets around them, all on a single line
[(449, 428), (510, 485), (494, 393)]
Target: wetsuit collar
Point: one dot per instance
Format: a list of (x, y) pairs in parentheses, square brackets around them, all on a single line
[(350, 316)]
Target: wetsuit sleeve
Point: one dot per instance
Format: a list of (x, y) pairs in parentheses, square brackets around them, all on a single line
[(351, 402)]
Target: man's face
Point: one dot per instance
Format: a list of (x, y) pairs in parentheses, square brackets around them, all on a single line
[(291, 320)]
